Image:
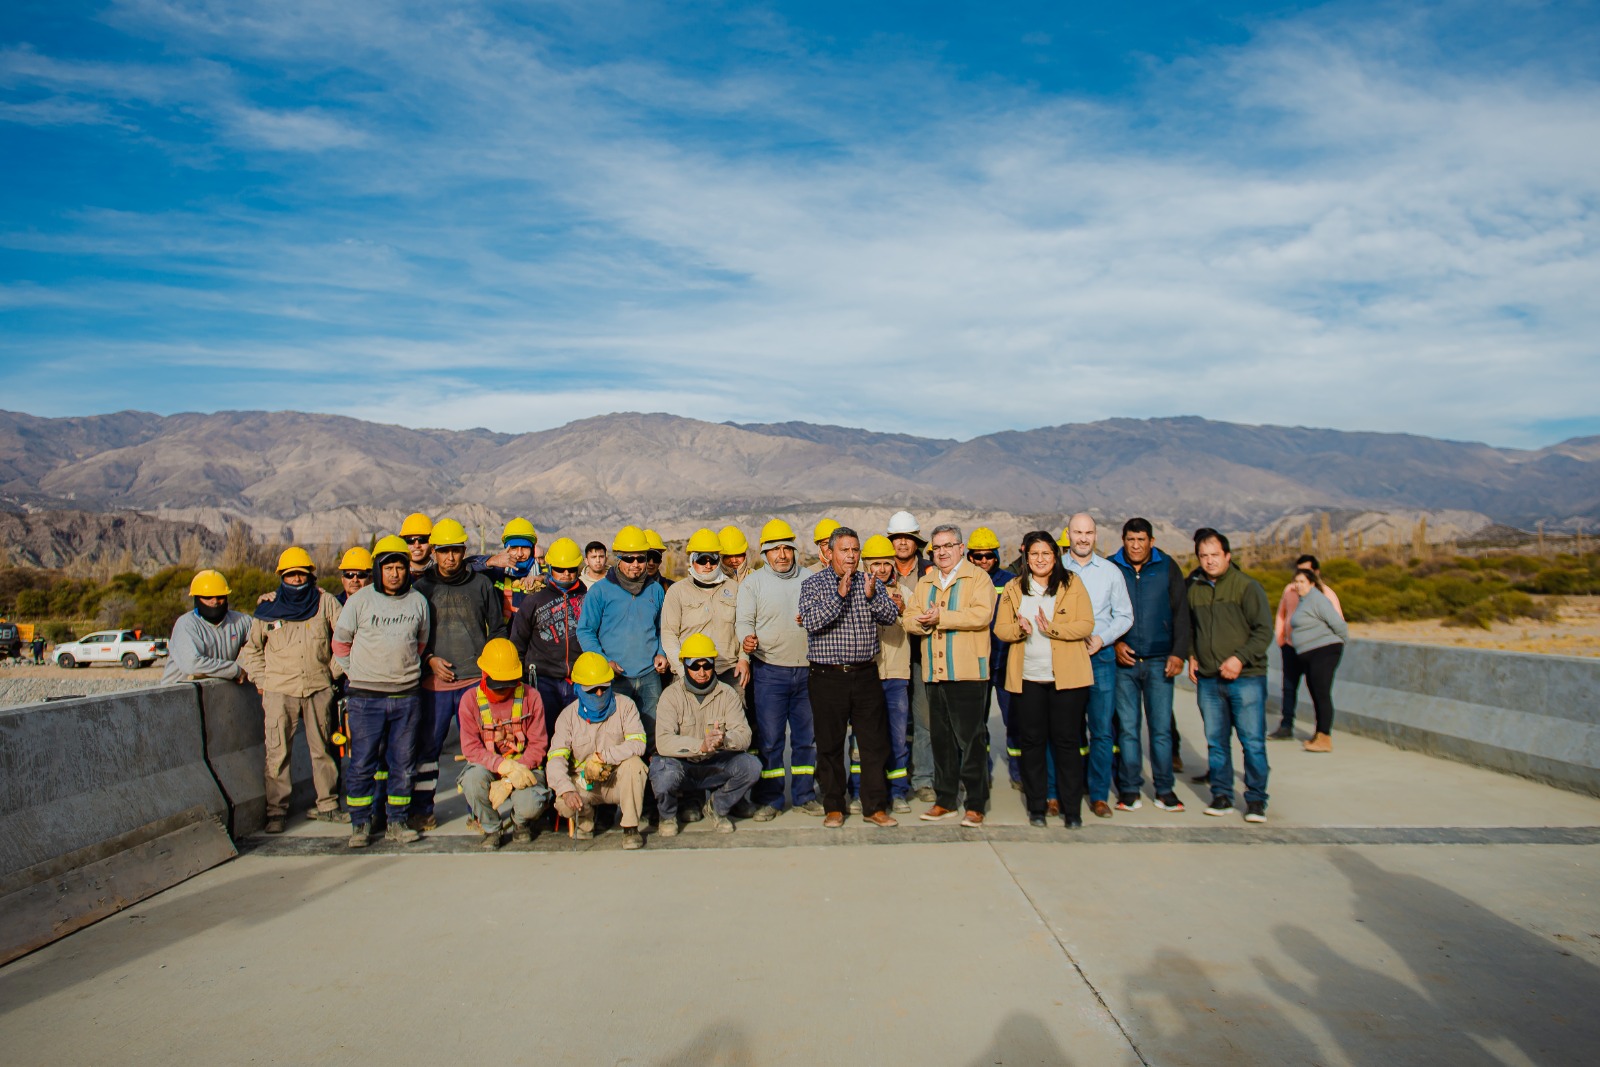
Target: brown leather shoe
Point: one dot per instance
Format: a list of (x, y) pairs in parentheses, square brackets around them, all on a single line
[(883, 819), (1101, 809), (1319, 743), (833, 820), (1052, 808), (936, 814), (973, 819)]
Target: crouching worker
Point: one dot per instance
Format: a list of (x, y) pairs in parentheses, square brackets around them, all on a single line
[(597, 750), (503, 740), (701, 738)]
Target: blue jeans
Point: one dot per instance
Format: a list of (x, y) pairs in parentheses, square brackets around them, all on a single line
[(1237, 706), (1102, 709), (921, 736), (645, 691), (783, 713), (1145, 683), (897, 698), (555, 694), (730, 774), (383, 740), (439, 711)]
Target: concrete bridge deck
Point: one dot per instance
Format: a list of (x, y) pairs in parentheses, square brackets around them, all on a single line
[(1397, 908)]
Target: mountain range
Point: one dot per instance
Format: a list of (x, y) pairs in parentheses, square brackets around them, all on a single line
[(332, 479)]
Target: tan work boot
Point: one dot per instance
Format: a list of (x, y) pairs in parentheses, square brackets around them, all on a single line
[(1319, 743)]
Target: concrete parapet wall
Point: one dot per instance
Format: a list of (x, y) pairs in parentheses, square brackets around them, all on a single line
[(235, 740), (103, 801), (1533, 715)]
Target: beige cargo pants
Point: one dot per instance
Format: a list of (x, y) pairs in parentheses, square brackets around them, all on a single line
[(625, 790), (282, 714)]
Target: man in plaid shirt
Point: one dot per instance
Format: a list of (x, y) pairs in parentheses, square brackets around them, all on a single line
[(841, 611)]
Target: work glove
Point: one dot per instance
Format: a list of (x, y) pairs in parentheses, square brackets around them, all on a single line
[(499, 790), (595, 770), (519, 776)]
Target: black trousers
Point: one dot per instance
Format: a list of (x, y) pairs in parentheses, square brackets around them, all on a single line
[(958, 726), (1292, 672), (842, 701), (1318, 666), (1047, 716)]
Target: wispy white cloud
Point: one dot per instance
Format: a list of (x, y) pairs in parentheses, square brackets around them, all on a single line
[(1310, 228)]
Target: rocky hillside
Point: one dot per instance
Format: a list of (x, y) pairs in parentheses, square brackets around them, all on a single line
[(114, 541), (329, 479)]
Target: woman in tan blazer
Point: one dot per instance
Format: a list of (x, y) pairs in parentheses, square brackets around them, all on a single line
[(1046, 612)]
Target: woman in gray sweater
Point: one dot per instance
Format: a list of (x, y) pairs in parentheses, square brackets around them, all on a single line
[(1318, 633)]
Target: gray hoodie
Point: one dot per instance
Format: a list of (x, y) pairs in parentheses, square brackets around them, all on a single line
[(379, 639), (1316, 623)]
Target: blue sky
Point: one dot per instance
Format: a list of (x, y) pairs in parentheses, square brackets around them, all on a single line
[(946, 219)]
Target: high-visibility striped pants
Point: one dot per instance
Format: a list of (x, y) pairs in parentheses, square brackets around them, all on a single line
[(783, 715), (439, 708), (383, 735)]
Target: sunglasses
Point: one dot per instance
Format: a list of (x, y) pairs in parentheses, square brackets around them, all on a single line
[(355, 576), (630, 557), (597, 690), (701, 664), (416, 540), (983, 555), (563, 570), (707, 557)]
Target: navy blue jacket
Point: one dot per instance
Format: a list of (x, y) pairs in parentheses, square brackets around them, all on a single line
[(1161, 625)]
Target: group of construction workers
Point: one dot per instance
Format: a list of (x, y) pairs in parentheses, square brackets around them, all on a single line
[(582, 677)]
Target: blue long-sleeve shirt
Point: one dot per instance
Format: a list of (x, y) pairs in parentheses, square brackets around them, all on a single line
[(1102, 580), (623, 627)]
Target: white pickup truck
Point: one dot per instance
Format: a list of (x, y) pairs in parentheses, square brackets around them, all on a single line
[(111, 646)]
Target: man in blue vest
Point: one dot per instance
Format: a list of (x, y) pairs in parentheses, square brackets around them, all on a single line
[(1149, 657)]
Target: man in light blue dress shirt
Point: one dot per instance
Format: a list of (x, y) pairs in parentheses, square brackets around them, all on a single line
[(1113, 615)]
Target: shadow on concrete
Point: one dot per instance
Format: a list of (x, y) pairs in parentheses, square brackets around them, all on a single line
[(722, 1044), (1479, 986), (1446, 981), (1023, 1038), (1181, 1014), (171, 917)]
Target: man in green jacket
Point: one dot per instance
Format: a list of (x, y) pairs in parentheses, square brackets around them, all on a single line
[(1232, 628)]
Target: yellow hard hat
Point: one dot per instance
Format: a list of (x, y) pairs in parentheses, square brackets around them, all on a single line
[(295, 558), (656, 544), (564, 553), (416, 525), (698, 646), (209, 583), (499, 661), (777, 530), (731, 538), (823, 530), (447, 532), (702, 541), (1065, 540), (630, 539), (356, 559), (591, 669), (877, 547), (519, 527), (388, 546), (983, 537)]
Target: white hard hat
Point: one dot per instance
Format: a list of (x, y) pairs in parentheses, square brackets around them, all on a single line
[(902, 522)]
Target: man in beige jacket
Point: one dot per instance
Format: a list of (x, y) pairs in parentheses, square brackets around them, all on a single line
[(289, 656), (953, 608), (597, 752)]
